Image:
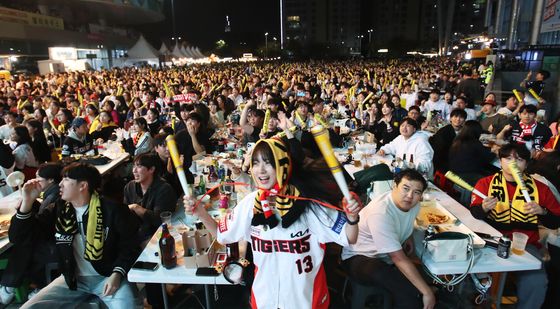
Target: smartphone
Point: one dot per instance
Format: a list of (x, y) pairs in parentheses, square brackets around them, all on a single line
[(207, 272), (146, 265)]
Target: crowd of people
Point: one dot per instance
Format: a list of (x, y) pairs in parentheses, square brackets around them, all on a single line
[(431, 114)]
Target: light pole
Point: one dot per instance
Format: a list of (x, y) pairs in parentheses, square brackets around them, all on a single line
[(266, 45), (360, 37), (173, 20), (370, 31)]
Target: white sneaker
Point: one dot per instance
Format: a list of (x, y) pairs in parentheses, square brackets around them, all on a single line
[(33, 293), (7, 294)]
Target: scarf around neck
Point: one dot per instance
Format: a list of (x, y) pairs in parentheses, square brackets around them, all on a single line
[(512, 208), (67, 227), (527, 130), (281, 199)]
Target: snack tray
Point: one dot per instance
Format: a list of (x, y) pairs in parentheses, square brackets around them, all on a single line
[(452, 224)]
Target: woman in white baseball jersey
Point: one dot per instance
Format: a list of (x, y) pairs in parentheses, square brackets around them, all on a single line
[(287, 233)]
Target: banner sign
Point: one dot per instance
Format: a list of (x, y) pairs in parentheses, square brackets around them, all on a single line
[(31, 19), (551, 16)]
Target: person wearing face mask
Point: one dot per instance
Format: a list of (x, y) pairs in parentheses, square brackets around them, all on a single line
[(507, 211), (287, 233)]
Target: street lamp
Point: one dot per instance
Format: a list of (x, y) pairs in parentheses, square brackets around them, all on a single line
[(265, 45), (360, 37)]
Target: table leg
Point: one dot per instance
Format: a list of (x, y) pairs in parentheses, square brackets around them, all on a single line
[(501, 285), (207, 296), (164, 295)]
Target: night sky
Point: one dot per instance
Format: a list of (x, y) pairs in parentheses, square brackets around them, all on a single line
[(202, 22)]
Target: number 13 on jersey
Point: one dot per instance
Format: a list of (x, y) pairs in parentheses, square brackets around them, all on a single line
[(305, 264)]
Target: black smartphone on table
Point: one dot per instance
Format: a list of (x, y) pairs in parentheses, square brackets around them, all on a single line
[(145, 265), (207, 272)]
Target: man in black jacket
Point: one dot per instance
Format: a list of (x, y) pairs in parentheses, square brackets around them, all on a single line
[(95, 240), (441, 141), (148, 195), (470, 88)]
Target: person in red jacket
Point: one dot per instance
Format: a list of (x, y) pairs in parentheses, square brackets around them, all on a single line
[(506, 210)]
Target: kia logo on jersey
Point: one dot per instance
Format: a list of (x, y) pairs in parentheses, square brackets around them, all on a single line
[(299, 234)]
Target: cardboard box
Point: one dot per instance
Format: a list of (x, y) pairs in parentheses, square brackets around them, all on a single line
[(199, 249)]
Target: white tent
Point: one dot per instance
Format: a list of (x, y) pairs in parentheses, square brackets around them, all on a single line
[(199, 53), (177, 52), (164, 50), (186, 52), (142, 50), (191, 52)]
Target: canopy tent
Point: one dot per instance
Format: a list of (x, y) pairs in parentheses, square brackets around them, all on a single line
[(142, 50), (194, 55), (199, 53), (177, 53), (187, 52), (164, 50)]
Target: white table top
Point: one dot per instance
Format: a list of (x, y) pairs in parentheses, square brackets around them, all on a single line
[(178, 275), (486, 259), (341, 154)]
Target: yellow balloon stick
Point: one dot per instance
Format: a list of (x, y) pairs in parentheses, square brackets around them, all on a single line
[(303, 124), (517, 95), (264, 129), (174, 153), (531, 91), (460, 182), (367, 98), (320, 120), (321, 136), (518, 177), (282, 134)]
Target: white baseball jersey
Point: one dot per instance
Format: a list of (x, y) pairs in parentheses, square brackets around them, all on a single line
[(288, 261)]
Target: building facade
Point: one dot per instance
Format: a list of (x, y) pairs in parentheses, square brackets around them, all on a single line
[(30, 27), (427, 25), (328, 27)]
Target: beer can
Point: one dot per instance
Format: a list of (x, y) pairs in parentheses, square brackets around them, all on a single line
[(504, 244)]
